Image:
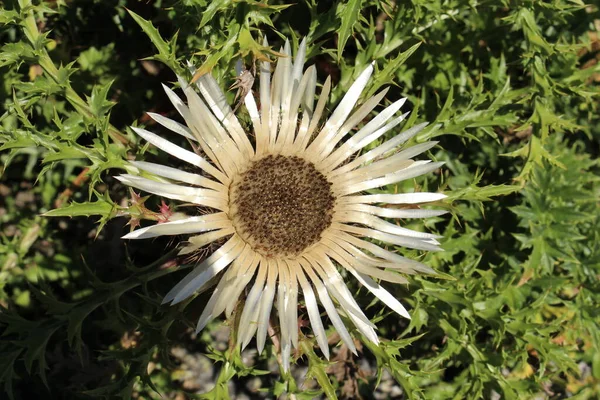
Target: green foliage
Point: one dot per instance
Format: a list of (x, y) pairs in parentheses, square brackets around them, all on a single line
[(511, 91)]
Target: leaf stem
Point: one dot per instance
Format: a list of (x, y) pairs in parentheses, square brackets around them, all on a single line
[(33, 34)]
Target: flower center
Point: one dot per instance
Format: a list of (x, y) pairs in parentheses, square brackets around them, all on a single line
[(281, 205)]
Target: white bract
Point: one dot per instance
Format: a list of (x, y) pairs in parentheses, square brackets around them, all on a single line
[(289, 201)]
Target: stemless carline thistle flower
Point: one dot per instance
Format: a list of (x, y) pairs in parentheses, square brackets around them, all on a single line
[(289, 204)]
